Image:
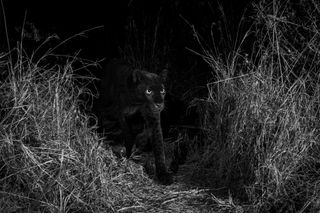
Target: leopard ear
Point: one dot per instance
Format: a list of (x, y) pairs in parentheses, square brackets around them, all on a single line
[(163, 74), (136, 76)]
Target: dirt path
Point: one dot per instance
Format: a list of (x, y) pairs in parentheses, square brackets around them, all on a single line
[(147, 196)]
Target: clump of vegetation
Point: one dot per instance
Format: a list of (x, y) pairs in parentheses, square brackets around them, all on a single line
[(52, 159), (261, 116)]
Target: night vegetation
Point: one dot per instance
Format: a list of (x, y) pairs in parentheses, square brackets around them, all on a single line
[(256, 148), (261, 115)]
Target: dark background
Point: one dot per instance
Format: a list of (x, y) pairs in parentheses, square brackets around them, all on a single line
[(188, 72), (67, 18)]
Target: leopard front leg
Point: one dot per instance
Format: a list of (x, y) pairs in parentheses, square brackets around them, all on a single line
[(127, 136), (141, 141), (163, 175)]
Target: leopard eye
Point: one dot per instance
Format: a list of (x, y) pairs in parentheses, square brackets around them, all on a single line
[(148, 91), (163, 91)]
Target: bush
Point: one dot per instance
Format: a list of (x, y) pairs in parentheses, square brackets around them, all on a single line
[(261, 115), (52, 160)]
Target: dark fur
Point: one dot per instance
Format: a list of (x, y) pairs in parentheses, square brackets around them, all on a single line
[(126, 105)]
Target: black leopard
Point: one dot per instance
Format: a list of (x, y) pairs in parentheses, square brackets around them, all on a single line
[(130, 104)]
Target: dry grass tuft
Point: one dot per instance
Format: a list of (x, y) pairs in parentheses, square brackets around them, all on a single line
[(50, 156), (261, 117)]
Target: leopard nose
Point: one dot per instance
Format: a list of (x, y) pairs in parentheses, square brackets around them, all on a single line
[(158, 106)]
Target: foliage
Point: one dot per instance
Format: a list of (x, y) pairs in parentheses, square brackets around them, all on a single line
[(261, 115)]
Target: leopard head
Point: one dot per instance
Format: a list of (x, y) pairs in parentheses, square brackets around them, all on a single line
[(150, 89)]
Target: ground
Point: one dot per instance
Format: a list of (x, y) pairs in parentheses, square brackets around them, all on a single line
[(147, 196)]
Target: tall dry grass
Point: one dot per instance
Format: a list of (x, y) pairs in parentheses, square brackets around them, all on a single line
[(261, 116), (52, 159)]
